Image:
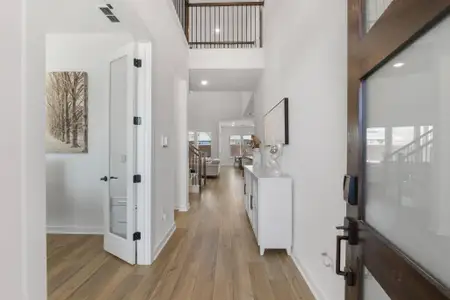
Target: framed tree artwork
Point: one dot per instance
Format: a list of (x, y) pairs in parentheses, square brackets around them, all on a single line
[(67, 112)]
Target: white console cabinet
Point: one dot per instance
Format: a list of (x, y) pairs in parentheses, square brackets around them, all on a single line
[(268, 202)]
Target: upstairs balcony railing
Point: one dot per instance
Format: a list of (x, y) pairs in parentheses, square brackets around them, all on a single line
[(221, 25)]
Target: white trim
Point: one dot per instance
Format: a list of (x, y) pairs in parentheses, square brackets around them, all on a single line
[(145, 162), (182, 180), (98, 230), (318, 294), (184, 208), (164, 241), (194, 189)]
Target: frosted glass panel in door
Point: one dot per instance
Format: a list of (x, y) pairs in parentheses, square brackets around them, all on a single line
[(373, 11), (118, 148), (408, 187), (372, 289)]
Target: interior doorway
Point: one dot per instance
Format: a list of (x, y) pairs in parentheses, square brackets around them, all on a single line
[(98, 123), (397, 225)]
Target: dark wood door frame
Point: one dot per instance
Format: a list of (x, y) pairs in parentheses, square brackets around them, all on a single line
[(400, 25)]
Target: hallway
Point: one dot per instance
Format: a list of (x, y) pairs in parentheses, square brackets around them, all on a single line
[(211, 256)]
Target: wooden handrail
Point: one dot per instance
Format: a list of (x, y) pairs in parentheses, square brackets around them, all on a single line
[(226, 4)]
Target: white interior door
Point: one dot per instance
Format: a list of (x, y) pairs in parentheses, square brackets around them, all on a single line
[(120, 204)]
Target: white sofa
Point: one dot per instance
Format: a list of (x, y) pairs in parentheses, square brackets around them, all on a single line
[(213, 168)]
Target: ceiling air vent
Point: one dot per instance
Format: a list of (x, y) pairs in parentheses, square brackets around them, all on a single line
[(113, 19), (107, 11)]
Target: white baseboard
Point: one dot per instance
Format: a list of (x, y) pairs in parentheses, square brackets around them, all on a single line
[(164, 241), (183, 208), (195, 189), (315, 290), (74, 230)]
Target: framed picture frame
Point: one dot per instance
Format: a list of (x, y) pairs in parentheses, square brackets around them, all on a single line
[(276, 124)]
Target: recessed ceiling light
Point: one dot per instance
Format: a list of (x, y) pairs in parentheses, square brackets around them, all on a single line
[(232, 124), (204, 82), (217, 30), (399, 65)]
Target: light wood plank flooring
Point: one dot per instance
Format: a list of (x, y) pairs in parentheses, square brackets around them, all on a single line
[(211, 256)]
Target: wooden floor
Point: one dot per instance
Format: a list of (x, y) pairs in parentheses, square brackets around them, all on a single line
[(211, 256)]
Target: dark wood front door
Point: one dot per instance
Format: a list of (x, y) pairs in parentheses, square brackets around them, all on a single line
[(398, 109)]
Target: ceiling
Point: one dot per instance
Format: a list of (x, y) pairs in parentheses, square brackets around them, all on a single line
[(81, 16), (233, 80)]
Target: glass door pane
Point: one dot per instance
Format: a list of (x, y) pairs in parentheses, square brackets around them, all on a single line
[(407, 187), (372, 289), (373, 11), (118, 148)]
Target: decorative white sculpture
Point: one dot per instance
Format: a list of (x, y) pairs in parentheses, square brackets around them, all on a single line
[(273, 166)]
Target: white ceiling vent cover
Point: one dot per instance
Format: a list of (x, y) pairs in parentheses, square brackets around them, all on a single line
[(107, 11)]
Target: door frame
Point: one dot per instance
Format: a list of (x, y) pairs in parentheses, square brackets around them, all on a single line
[(392, 268), (144, 217)]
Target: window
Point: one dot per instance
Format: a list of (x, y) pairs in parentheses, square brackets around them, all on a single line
[(235, 145), (240, 145), (376, 144), (191, 138), (247, 144), (204, 141)]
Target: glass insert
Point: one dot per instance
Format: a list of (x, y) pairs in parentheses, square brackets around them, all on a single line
[(373, 11), (408, 151), (118, 148), (372, 289)]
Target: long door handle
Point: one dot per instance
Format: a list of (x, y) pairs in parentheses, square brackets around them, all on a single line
[(113, 178), (349, 275), (339, 240)]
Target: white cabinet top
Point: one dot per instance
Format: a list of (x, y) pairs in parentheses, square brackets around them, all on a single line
[(260, 172)]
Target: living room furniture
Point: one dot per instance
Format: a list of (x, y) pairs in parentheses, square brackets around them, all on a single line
[(268, 203), (213, 168)]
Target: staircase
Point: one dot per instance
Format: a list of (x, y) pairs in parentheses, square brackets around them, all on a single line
[(197, 169), (407, 170)]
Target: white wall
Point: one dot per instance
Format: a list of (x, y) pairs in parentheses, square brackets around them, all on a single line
[(75, 193), (207, 109), (225, 133), (22, 181), (170, 61), (182, 183), (226, 58), (310, 69)]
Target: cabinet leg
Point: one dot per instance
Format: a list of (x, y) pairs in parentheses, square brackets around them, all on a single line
[(261, 251), (289, 251)]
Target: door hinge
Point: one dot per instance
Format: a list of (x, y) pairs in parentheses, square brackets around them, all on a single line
[(138, 63), (137, 178), (137, 120), (137, 236)]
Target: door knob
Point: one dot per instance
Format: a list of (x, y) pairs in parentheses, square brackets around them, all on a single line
[(104, 178)]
